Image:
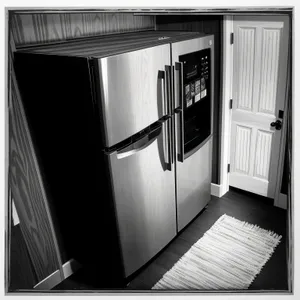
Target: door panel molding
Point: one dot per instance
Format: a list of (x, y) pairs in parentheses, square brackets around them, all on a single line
[(263, 149), (244, 93), (270, 70)]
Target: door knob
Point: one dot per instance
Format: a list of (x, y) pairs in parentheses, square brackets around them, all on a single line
[(277, 124)]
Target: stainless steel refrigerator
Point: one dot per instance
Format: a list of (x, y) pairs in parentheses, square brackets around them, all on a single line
[(140, 109)]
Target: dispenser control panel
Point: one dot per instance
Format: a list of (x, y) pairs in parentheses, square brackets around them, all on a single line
[(196, 76)]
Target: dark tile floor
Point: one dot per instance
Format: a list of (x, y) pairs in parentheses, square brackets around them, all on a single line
[(244, 206)]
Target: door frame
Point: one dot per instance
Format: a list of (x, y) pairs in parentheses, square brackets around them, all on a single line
[(280, 200)]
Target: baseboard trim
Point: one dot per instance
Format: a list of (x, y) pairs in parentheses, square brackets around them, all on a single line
[(216, 190), (282, 201), (70, 267), (55, 278), (49, 282)]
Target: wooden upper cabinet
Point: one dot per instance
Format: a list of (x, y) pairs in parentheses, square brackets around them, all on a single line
[(44, 28)]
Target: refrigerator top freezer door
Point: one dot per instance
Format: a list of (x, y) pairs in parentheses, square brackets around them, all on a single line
[(134, 90), (144, 198)]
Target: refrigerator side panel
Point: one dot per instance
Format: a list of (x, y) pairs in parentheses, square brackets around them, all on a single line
[(144, 196), (63, 123), (193, 184), (134, 91)]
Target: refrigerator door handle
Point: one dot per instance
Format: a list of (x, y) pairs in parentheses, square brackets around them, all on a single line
[(178, 95), (173, 89), (171, 140), (168, 78), (167, 145), (179, 112), (139, 145), (180, 132), (162, 77)]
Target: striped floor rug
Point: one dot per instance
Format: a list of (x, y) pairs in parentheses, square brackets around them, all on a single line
[(229, 256)]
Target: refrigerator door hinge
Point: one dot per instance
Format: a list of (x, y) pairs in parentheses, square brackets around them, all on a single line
[(231, 38), (230, 104), (228, 168)]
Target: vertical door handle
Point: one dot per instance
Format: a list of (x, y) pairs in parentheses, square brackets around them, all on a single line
[(168, 80), (167, 148), (170, 140), (180, 133), (172, 89), (163, 85), (179, 112), (179, 68)]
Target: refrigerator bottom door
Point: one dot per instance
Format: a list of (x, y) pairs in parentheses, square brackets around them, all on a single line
[(144, 198), (193, 184)]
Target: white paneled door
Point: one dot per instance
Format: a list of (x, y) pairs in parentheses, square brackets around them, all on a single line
[(260, 53)]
